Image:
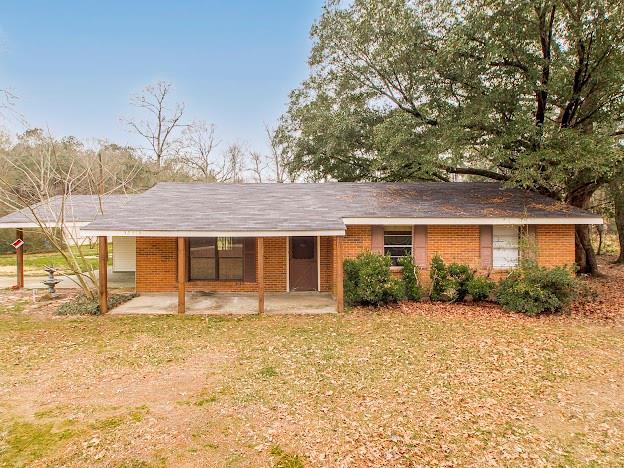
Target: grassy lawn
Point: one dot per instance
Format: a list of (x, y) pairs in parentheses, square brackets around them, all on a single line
[(425, 384), (35, 263)]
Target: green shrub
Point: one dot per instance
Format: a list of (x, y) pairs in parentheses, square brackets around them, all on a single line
[(81, 305), (395, 290), (449, 282), (351, 272), (373, 278), (459, 275), (480, 288), (439, 278), (533, 290), (409, 277), (368, 281)]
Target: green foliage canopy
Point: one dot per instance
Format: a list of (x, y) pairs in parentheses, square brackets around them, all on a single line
[(526, 92)]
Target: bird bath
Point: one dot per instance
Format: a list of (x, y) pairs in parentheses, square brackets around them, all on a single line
[(51, 281)]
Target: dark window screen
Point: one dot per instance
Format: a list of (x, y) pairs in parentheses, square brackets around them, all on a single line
[(303, 248), (215, 258)]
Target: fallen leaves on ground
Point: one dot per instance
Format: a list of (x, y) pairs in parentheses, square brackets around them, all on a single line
[(413, 384)]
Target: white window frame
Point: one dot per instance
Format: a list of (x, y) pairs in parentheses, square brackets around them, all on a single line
[(407, 230), (505, 246)]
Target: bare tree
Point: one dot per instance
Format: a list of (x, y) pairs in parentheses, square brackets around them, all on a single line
[(41, 183), (233, 164), (280, 156), (257, 166), (161, 129), (8, 108), (50, 172), (197, 154)]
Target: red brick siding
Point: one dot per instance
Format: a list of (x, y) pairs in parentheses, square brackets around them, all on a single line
[(156, 257), (454, 244), (555, 244), (326, 252), (275, 263), (357, 240), (156, 264), (156, 260), (334, 271)]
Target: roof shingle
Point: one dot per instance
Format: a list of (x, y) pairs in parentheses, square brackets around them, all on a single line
[(76, 209), (323, 206)]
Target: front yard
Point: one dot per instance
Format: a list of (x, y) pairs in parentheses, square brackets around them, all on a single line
[(34, 263), (416, 384)]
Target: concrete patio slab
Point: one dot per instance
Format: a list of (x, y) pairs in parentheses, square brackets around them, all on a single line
[(199, 303)]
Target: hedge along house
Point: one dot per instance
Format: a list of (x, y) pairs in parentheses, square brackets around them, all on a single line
[(282, 238), (70, 213)]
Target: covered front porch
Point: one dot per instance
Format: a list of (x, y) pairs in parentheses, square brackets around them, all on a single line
[(233, 274), (201, 303)]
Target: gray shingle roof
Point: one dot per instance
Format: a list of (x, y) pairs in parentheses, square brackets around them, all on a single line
[(314, 207), (76, 209)]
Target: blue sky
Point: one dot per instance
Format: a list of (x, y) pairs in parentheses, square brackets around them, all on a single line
[(75, 64)]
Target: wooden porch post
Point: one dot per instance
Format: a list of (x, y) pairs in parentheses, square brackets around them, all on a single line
[(260, 253), (20, 260), (181, 275), (339, 276), (103, 273)]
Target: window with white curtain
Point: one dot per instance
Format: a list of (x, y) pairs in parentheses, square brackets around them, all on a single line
[(505, 246)]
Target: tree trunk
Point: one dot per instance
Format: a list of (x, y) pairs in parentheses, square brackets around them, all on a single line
[(617, 194), (601, 230), (585, 257)]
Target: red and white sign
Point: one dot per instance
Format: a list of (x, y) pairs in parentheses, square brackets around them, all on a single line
[(17, 243)]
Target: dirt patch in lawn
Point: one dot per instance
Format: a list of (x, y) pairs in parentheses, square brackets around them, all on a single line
[(582, 408)]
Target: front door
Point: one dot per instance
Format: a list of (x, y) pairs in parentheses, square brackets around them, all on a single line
[(303, 264)]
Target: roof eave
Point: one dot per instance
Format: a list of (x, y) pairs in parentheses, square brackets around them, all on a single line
[(48, 224), (216, 233), (508, 220)]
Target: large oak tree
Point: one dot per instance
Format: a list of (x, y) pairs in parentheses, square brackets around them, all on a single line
[(530, 93)]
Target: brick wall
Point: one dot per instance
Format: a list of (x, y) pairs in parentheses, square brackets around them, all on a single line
[(454, 244), (275, 263), (555, 244), (156, 264), (326, 252), (156, 257), (357, 240), (156, 268)]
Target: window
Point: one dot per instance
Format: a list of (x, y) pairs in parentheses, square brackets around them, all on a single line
[(505, 243), (215, 258), (397, 242)]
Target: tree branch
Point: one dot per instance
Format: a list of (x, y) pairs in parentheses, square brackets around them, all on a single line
[(476, 171)]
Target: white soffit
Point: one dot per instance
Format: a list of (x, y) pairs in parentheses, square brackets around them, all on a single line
[(472, 221), (96, 232)]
